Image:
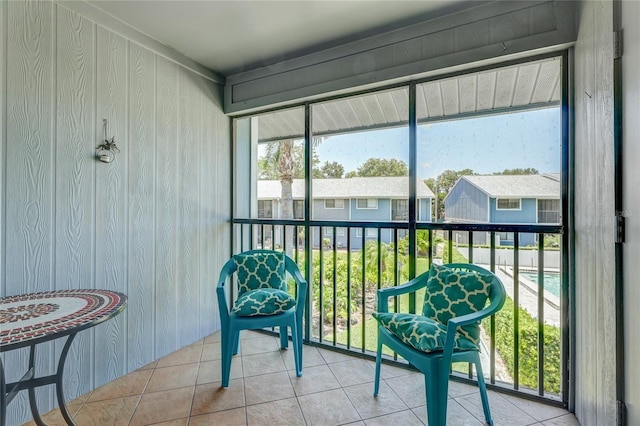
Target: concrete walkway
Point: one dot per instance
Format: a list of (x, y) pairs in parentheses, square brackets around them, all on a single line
[(528, 296)]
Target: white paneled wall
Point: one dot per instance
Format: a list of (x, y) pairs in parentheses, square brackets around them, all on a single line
[(153, 224), (595, 357)]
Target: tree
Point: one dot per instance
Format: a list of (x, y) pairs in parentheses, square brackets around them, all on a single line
[(527, 171), (377, 167), (286, 169), (268, 163), (284, 161), (329, 170)]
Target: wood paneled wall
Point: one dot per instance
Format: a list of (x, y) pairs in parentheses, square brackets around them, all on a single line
[(153, 224), (595, 357)]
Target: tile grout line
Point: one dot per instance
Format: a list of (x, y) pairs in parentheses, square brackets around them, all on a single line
[(144, 389), (193, 397)]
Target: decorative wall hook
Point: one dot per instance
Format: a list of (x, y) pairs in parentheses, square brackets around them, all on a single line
[(106, 152)]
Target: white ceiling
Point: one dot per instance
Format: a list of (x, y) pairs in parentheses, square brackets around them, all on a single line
[(233, 36)]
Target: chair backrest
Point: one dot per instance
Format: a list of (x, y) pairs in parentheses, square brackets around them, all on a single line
[(258, 269), (230, 268), (497, 293), (458, 289), (290, 267)]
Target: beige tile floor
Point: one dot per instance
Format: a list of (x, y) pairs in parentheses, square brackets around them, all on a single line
[(183, 388)]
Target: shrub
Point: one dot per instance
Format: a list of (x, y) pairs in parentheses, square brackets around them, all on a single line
[(528, 351)]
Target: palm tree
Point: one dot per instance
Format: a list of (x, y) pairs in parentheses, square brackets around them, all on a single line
[(286, 170), (289, 164), (283, 161)]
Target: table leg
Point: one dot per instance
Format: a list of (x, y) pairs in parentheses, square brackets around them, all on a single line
[(59, 391), (3, 396), (29, 383), (31, 390)]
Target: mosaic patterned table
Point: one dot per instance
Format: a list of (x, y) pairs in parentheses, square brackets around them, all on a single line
[(30, 319)]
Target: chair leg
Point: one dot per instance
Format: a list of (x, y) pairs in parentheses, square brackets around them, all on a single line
[(436, 398), (236, 342), (376, 386), (224, 349), (483, 392), (284, 339), (229, 342), (297, 349), (436, 383), (444, 392), (300, 350)]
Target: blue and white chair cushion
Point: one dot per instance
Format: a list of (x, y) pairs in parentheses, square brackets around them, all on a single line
[(263, 301), (452, 293), (419, 332), (260, 270)]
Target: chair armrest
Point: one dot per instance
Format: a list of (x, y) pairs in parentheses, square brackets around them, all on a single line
[(223, 306), (414, 285), (292, 268)]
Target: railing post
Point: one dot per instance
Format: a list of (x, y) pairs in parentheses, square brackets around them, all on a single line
[(413, 175), (308, 234), (348, 288), (541, 314), (335, 287), (492, 334), (516, 311)]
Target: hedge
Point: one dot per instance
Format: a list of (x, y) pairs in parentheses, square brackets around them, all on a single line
[(528, 347)]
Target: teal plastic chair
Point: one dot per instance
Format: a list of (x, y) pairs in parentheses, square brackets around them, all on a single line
[(436, 365), (232, 324)]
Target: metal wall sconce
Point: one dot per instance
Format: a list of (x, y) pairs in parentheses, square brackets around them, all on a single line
[(106, 152)]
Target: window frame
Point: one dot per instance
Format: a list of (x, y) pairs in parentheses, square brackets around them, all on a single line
[(259, 209), (406, 215), (335, 200), (566, 182), (367, 203), (509, 200), (557, 212), (299, 210)]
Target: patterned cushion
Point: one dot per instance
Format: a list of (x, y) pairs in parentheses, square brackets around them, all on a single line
[(264, 301), (260, 270), (454, 293), (422, 333)]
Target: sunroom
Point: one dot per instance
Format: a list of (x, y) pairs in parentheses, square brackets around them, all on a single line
[(380, 116)]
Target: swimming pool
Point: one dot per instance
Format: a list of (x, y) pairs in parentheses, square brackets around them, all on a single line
[(551, 281)]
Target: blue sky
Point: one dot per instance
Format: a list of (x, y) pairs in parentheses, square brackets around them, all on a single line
[(485, 144)]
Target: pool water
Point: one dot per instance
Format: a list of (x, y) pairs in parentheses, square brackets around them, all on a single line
[(551, 281)]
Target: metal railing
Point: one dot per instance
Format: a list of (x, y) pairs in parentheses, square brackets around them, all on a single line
[(523, 345)]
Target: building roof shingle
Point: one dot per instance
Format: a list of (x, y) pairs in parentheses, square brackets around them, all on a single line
[(357, 187), (520, 186)]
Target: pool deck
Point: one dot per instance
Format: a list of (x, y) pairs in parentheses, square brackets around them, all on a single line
[(528, 297)]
